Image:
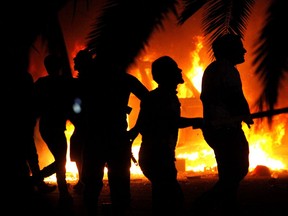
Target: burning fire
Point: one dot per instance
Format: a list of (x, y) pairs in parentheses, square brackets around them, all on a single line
[(192, 153)]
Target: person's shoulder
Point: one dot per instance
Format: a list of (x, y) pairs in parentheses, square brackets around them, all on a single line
[(216, 67), (212, 65), (40, 80), (149, 96), (67, 78), (133, 80), (130, 77), (27, 77), (155, 93), (71, 81)]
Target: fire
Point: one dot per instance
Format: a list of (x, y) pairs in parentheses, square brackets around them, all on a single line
[(264, 144), (192, 152), (194, 74), (71, 169), (263, 151), (262, 140)]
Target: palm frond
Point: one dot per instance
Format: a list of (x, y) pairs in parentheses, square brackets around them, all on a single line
[(54, 41), (271, 56), (190, 7), (223, 16), (76, 5), (123, 29), (220, 16), (24, 24)]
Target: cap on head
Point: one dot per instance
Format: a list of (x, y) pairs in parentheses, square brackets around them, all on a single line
[(164, 68)]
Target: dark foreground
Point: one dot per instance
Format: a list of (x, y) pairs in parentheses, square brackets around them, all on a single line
[(259, 195)]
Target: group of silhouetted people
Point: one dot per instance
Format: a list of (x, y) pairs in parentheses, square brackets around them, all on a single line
[(96, 102)]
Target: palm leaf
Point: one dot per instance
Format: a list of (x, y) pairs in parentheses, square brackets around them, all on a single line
[(190, 8), (25, 22), (123, 29), (220, 16), (271, 55), (53, 40), (271, 58), (226, 16)]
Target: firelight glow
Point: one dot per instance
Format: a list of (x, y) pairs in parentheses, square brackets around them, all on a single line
[(265, 144)]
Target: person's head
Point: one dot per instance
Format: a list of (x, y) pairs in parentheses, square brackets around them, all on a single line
[(165, 71), (230, 47), (53, 64), (82, 61)]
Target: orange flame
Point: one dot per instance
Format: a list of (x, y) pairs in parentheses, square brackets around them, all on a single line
[(192, 150)]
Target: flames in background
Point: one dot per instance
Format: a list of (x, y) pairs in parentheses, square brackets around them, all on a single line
[(194, 156), (267, 145)]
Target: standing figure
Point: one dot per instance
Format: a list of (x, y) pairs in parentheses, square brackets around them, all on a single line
[(107, 90), (158, 122), (20, 158), (54, 105), (17, 138), (83, 63), (224, 110)]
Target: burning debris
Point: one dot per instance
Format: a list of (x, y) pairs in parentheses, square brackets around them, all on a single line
[(262, 171), (268, 155)]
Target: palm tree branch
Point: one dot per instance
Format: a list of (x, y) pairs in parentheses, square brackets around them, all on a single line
[(54, 41), (223, 16), (190, 7), (123, 29), (271, 57)]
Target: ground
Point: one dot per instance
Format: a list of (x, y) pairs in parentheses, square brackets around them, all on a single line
[(258, 195)]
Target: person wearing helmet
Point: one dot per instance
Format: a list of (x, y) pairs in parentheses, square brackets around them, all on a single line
[(158, 123)]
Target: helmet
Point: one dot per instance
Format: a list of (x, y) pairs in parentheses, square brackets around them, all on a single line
[(165, 69)]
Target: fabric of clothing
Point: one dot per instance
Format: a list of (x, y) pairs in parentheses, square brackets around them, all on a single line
[(106, 139), (224, 107), (54, 102), (222, 96), (160, 113)]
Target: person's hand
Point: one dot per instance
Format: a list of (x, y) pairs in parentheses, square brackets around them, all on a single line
[(132, 134)]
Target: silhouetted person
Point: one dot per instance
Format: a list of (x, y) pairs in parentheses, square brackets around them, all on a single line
[(158, 122), (54, 105), (107, 143), (224, 110), (83, 63), (28, 119), (31, 150), (17, 139)]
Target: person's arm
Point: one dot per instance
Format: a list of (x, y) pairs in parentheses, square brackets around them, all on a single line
[(134, 131), (138, 89)]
